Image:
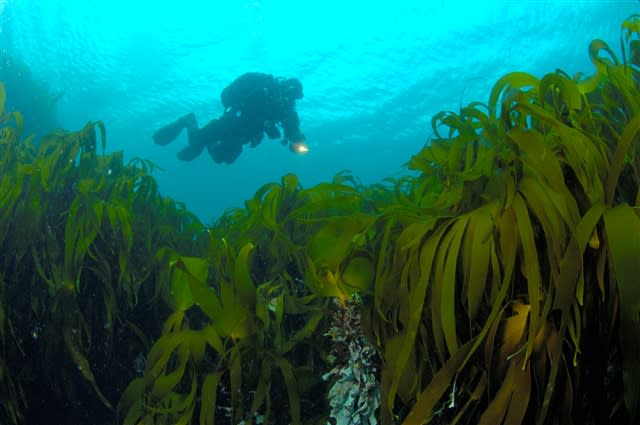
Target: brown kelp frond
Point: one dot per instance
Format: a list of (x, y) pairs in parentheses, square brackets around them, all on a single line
[(516, 197), (497, 283)]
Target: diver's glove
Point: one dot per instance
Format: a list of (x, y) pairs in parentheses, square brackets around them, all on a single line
[(299, 146), (300, 138)]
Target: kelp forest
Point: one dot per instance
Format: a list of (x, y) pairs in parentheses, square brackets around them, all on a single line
[(498, 282)]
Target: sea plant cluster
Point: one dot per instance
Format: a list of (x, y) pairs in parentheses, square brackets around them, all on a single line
[(79, 234), (497, 283)]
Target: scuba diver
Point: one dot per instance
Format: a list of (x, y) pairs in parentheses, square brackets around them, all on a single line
[(254, 104)]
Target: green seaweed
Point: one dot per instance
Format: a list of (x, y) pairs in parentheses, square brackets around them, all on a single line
[(497, 280), (75, 223)]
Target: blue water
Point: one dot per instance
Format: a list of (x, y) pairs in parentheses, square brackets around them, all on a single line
[(374, 73)]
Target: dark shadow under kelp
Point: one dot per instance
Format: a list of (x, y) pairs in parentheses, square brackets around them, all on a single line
[(497, 285)]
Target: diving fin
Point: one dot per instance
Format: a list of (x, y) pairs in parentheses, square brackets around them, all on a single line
[(168, 133), (191, 152)]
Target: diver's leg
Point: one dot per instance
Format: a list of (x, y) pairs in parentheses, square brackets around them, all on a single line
[(213, 149), (227, 144), (191, 124), (207, 134), (199, 138), (225, 151), (168, 133), (191, 152)]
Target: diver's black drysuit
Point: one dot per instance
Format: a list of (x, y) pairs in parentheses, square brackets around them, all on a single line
[(254, 103)]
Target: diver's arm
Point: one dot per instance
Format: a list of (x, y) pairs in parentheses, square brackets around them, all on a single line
[(291, 126)]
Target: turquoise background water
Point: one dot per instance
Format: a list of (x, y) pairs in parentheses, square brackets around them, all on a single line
[(373, 72)]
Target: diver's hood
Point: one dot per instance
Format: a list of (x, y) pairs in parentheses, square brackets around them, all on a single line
[(292, 88)]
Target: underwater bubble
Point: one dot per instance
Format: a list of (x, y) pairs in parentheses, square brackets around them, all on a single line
[(109, 172), (106, 326)]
